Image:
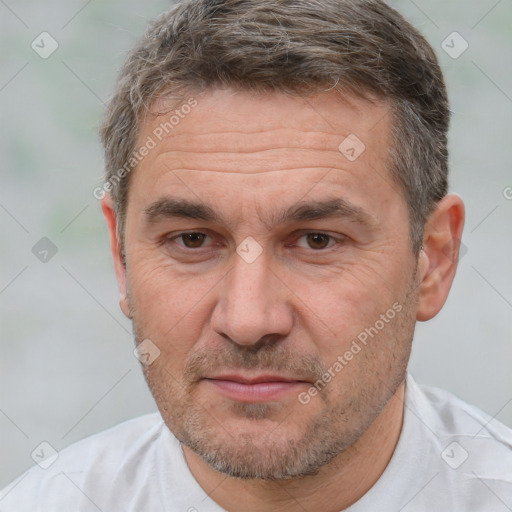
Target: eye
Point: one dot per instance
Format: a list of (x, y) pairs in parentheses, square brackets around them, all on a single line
[(191, 240), (318, 241)]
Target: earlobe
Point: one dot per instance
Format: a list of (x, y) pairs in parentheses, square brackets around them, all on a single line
[(439, 257), (107, 207)]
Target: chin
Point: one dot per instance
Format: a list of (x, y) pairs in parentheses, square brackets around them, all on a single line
[(255, 447)]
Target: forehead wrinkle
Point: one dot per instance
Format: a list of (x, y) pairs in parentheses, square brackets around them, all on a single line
[(284, 157), (240, 172), (247, 141), (271, 160)]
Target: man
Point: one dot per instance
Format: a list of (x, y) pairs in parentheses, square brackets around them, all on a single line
[(276, 197)]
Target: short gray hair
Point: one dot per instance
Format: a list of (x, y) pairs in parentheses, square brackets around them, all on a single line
[(298, 47)]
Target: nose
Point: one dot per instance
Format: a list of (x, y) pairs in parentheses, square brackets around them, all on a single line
[(253, 304)]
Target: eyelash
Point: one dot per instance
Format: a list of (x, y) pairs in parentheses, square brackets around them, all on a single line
[(171, 239)]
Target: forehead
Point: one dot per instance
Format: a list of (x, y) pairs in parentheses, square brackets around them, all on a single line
[(229, 120), (256, 145)]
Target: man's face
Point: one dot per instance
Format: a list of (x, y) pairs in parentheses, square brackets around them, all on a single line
[(250, 307)]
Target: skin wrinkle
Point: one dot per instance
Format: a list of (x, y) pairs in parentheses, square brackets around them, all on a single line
[(252, 173), (304, 137), (272, 157)]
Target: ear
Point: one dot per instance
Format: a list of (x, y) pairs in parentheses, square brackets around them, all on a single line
[(107, 205), (440, 255)]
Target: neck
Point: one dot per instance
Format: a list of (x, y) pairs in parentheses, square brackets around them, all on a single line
[(337, 486)]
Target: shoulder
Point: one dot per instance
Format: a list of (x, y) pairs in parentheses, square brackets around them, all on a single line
[(113, 457), (448, 416), (114, 445), (470, 451)]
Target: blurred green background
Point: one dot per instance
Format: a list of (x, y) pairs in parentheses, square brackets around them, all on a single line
[(67, 368)]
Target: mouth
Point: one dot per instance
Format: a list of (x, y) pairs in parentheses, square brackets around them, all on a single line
[(261, 388)]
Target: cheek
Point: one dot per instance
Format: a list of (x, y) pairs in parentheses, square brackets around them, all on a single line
[(340, 304), (157, 287), (169, 308)]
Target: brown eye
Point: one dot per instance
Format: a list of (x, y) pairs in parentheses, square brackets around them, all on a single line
[(318, 240), (192, 240)]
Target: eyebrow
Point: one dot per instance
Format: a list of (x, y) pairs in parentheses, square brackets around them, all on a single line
[(172, 207)]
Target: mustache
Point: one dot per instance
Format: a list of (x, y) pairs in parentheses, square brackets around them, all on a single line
[(268, 359)]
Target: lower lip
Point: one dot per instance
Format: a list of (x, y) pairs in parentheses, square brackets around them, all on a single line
[(257, 392)]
